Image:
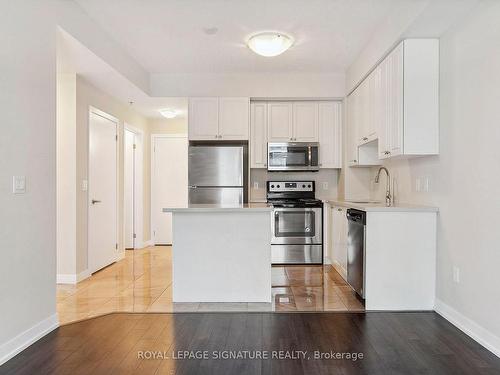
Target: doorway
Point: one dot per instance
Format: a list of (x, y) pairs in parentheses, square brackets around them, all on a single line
[(102, 190), (169, 182)]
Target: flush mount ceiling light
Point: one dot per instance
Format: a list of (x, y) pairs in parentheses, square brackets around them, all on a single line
[(168, 113), (270, 43)]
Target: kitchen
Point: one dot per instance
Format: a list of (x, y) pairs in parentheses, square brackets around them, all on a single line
[(290, 147), (339, 157)]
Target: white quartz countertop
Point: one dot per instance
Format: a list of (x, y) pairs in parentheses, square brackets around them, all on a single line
[(372, 206), (250, 207)]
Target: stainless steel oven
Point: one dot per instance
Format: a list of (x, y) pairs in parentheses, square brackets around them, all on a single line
[(296, 223), (298, 226), (296, 156)]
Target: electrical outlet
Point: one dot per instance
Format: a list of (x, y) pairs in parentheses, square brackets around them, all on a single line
[(427, 184), (18, 184), (418, 184), (255, 185), (325, 185), (456, 274)]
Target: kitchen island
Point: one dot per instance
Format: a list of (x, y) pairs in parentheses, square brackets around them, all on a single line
[(221, 253)]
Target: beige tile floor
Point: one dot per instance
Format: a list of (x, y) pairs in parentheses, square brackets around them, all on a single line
[(142, 282)]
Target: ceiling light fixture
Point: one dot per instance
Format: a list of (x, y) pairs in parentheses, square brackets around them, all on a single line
[(168, 113), (270, 43)]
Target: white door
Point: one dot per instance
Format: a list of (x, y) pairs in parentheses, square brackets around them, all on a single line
[(169, 183), (234, 118), (305, 121), (102, 225), (203, 117), (129, 189), (279, 122), (258, 133)]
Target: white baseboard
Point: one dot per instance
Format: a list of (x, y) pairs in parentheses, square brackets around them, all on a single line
[(72, 278), (26, 338), (147, 243), (469, 327)]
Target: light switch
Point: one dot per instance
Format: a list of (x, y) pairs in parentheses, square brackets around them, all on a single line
[(325, 185), (19, 184), (255, 184), (85, 185)]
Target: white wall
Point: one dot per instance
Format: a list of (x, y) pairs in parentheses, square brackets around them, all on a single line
[(465, 177), (287, 85), (87, 96), (66, 174), (28, 148)]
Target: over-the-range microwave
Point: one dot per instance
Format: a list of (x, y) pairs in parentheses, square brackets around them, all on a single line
[(292, 156)]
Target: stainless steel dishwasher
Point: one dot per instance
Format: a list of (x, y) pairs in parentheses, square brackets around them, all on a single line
[(356, 233)]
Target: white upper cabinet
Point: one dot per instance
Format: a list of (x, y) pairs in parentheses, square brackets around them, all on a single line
[(330, 134), (398, 103), (218, 118), (297, 121), (203, 117), (279, 122), (258, 135), (305, 121), (233, 118)]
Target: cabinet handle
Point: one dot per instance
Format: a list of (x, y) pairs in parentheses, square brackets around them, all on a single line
[(353, 161), (216, 136), (365, 138), (339, 209)]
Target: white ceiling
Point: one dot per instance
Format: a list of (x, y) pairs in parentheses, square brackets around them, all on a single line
[(167, 36), (74, 57)]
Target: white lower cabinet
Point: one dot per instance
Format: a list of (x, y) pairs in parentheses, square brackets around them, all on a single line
[(339, 240)]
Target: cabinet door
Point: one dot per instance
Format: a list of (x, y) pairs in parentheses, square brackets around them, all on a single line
[(305, 121), (375, 81), (384, 117), (363, 111), (233, 118), (279, 122), (396, 98), (203, 118), (351, 135), (330, 134), (258, 135), (339, 240)]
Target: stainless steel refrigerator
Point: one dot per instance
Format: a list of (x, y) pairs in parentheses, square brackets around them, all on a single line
[(218, 173)]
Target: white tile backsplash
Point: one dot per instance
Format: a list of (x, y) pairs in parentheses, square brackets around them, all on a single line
[(324, 178)]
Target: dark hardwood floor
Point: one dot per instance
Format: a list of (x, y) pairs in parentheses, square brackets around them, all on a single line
[(391, 343)]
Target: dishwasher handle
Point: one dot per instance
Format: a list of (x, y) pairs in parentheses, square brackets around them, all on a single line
[(356, 216)]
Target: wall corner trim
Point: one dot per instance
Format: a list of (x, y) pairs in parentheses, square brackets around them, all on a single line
[(469, 327), (16, 345)]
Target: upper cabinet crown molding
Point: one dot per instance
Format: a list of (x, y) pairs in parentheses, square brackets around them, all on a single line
[(219, 118), (398, 104)]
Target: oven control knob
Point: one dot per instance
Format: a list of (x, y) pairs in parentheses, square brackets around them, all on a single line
[(308, 186), (303, 186), (272, 186), (278, 186)]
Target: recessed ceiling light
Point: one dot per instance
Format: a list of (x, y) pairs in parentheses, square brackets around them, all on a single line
[(270, 43), (168, 113)]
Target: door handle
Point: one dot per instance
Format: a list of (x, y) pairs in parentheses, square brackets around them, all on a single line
[(94, 201)]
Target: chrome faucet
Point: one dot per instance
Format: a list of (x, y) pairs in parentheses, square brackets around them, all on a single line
[(388, 196)]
